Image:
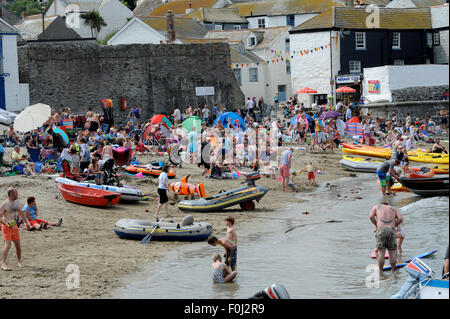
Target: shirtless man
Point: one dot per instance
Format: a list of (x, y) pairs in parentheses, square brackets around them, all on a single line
[(9, 211), (386, 218), (230, 250)]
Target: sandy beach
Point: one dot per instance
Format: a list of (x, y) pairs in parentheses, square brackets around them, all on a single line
[(86, 238)]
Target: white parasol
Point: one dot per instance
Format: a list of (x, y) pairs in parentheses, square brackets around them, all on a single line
[(32, 117)]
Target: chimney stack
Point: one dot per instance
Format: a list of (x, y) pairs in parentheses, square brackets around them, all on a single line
[(170, 26)]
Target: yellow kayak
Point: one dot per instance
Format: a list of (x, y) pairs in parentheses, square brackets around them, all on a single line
[(436, 158), (364, 152), (397, 187), (360, 160)]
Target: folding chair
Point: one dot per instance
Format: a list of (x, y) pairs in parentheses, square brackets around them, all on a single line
[(34, 154)]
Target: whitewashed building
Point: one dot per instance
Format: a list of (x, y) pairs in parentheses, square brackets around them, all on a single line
[(440, 24), (153, 30), (271, 45), (332, 49), (267, 14), (114, 13), (14, 96), (379, 82)]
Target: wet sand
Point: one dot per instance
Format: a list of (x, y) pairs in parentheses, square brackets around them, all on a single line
[(86, 237)]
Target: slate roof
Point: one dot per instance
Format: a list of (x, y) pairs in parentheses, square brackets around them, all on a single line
[(179, 7), (184, 27), (225, 15), (283, 7), (265, 36), (355, 18), (5, 27)]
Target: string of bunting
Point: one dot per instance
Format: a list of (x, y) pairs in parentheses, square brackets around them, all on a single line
[(279, 57)]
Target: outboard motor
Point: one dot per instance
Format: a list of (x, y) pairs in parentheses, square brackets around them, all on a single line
[(251, 178), (274, 291), (417, 271)]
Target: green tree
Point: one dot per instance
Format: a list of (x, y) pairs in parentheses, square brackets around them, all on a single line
[(94, 20), (30, 7)]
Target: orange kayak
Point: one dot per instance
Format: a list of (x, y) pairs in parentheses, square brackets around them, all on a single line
[(134, 169), (88, 196), (366, 150)]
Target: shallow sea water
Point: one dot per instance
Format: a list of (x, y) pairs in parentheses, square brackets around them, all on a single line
[(323, 254)]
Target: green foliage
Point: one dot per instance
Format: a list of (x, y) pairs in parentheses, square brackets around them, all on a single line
[(30, 7), (94, 20), (106, 39)]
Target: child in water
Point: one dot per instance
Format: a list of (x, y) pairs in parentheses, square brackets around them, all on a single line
[(400, 231), (231, 233)]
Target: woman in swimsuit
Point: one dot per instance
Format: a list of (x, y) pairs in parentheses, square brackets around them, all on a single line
[(220, 272)]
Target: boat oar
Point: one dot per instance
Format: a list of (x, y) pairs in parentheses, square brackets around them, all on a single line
[(147, 238)]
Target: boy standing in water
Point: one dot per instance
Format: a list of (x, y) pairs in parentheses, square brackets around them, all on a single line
[(231, 233)]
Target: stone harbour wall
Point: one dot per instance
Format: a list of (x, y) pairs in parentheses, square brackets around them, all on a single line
[(416, 109), (420, 93), (156, 77)]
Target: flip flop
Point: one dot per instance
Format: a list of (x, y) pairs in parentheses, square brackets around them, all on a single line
[(59, 222), (45, 225), (5, 268)]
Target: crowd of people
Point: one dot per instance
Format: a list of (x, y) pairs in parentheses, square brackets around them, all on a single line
[(251, 139)]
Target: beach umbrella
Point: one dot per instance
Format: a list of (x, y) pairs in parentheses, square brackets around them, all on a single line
[(32, 117), (162, 129), (235, 118), (345, 89), (306, 90), (188, 123), (62, 133), (330, 115), (298, 118), (161, 119)]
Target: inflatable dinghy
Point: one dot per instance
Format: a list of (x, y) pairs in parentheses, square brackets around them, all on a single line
[(242, 196), (187, 230)]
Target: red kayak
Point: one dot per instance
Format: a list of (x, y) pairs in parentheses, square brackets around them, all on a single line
[(88, 196)]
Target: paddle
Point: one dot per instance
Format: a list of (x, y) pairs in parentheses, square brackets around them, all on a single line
[(147, 238)]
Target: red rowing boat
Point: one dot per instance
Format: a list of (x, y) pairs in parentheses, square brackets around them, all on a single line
[(88, 196)]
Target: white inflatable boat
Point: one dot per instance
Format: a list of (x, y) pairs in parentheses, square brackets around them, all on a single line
[(187, 230)]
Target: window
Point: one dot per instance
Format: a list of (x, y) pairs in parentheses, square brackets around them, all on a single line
[(437, 38), (355, 66), (396, 40), (261, 23), (399, 62), (290, 20), (251, 41), (288, 67), (287, 45), (253, 75), (237, 27), (429, 39), (237, 74), (218, 27), (360, 39)]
